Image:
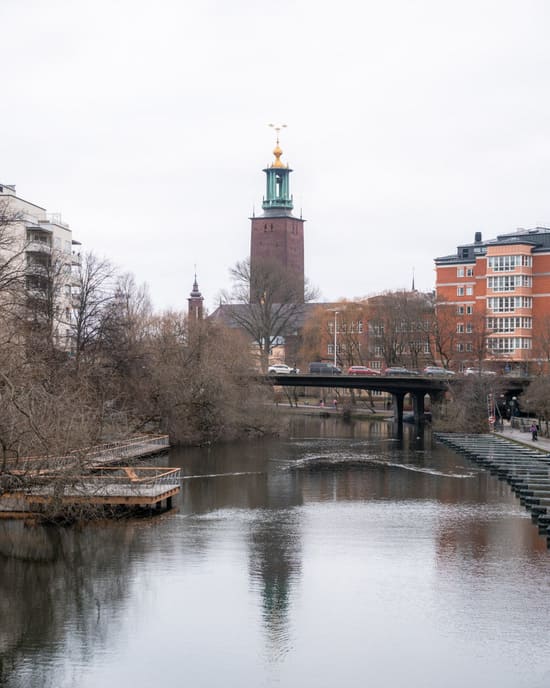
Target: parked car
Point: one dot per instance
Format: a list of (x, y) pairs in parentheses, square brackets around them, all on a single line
[(399, 370), (437, 371), (320, 368), (282, 369), (477, 371), (362, 370)]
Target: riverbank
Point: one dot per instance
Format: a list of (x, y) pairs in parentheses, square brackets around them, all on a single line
[(336, 411)]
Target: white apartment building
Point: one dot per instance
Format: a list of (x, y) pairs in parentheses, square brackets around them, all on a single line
[(49, 254)]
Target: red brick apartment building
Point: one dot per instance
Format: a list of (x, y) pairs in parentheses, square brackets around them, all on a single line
[(497, 295)]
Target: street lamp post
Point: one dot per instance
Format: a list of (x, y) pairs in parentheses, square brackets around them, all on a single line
[(335, 325)]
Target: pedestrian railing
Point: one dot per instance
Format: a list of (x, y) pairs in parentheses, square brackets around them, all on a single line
[(110, 452)]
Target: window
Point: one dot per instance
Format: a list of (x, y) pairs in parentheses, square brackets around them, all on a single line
[(508, 304), (508, 344), (469, 272), (508, 282), (460, 310), (460, 347), (508, 263), (509, 324), (378, 351), (460, 328), (469, 346), (469, 310), (460, 291), (376, 365), (469, 291), (426, 347), (469, 328), (460, 272)]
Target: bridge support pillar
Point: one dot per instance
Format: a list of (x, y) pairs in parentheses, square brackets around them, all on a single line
[(397, 400), (418, 407)]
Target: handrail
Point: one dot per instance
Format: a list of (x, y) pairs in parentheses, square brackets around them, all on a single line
[(110, 450)]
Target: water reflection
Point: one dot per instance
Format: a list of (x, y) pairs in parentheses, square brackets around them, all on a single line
[(305, 562), (55, 584)]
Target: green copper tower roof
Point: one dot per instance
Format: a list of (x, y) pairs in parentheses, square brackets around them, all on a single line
[(277, 195)]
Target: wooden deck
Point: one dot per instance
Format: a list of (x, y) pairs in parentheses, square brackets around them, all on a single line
[(91, 477), (125, 485)]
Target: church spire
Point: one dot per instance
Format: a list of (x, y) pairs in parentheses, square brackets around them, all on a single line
[(195, 301)]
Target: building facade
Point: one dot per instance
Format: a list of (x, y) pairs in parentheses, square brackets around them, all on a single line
[(277, 237), (498, 292), (47, 254)]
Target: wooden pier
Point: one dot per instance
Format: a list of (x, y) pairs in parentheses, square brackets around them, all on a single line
[(93, 478), (526, 470)]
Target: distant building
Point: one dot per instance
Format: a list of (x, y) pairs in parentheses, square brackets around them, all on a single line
[(277, 237), (48, 253), (499, 293), (195, 302)]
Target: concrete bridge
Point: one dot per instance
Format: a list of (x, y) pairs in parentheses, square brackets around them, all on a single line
[(398, 386)]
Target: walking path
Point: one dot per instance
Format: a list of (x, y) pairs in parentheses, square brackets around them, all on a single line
[(524, 437)]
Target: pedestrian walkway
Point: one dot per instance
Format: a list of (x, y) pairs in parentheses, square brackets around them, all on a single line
[(524, 437)]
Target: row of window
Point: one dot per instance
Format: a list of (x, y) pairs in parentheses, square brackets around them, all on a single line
[(509, 282), (504, 263), (460, 310), (460, 328), (509, 324), (507, 345), (423, 347), (502, 345), (461, 272), (354, 326), (508, 304), (461, 291)]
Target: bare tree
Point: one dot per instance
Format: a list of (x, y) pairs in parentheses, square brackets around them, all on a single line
[(12, 260), (91, 301), (444, 333), (268, 308), (537, 398), (48, 279), (400, 324)]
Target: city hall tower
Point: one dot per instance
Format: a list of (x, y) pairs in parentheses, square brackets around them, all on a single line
[(277, 237)]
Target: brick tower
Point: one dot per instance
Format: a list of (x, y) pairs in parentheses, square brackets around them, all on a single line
[(277, 237)]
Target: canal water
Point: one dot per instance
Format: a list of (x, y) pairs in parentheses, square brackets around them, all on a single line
[(339, 557)]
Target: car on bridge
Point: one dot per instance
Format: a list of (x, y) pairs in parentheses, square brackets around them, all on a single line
[(437, 371), (322, 368), (362, 370), (282, 369), (478, 371), (399, 370)]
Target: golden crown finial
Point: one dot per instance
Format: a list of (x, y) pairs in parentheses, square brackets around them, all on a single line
[(277, 151)]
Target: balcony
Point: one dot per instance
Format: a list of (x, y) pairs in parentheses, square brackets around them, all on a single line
[(38, 246)]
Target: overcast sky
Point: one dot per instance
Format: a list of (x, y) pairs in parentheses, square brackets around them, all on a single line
[(412, 124)]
